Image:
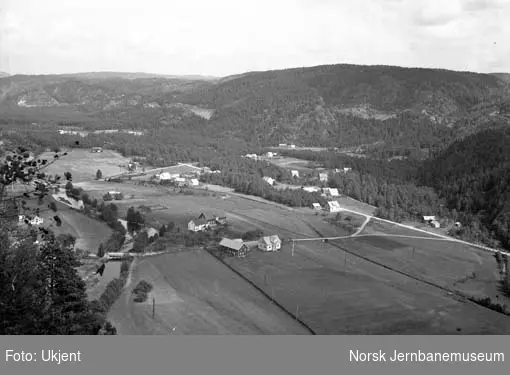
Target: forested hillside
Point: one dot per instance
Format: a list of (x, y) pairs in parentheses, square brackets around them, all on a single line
[(345, 105), (468, 181), (392, 111), (384, 111), (473, 175)]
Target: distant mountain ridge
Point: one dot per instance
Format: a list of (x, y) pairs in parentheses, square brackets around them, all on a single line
[(323, 105), (136, 75), (315, 105)]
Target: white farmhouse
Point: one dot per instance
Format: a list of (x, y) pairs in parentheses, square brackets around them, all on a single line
[(333, 206)]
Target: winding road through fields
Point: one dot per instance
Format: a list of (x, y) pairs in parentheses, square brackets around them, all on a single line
[(368, 218)]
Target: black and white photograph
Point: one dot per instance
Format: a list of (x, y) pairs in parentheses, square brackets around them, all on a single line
[(242, 167)]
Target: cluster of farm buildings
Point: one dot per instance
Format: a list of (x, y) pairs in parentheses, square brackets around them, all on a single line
[(234, 247), (239, 248), (435, 223), (187, 178), (178, 179)]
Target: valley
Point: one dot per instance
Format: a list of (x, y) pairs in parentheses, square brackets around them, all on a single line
[(396, 145), (319, 281)]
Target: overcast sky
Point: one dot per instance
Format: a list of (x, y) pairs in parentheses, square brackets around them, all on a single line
[(222, 37)]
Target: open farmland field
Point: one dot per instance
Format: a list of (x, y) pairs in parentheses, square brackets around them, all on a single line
[(171, 206), (335, 293), (453, 265), (352, 204), (291, 163), (196, 294), (84, 164)]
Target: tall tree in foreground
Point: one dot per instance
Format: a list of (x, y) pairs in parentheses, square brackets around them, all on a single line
[(19, 285), (41, 292), (64, 306)]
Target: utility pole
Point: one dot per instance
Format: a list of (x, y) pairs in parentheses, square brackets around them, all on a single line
[(293, 244), (297, 311), (153, 306)]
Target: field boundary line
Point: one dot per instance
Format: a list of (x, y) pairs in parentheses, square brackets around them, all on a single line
[(306, 326)]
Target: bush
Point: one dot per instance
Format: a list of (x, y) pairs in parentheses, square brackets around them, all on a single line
[(143, 286), (141, 291)]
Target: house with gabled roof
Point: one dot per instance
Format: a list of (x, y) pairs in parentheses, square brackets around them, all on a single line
[(265, 244), (233, 247), (276, 241), (270, 243), (316, 206), (333, 206), (198, 225), (294, 173)]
